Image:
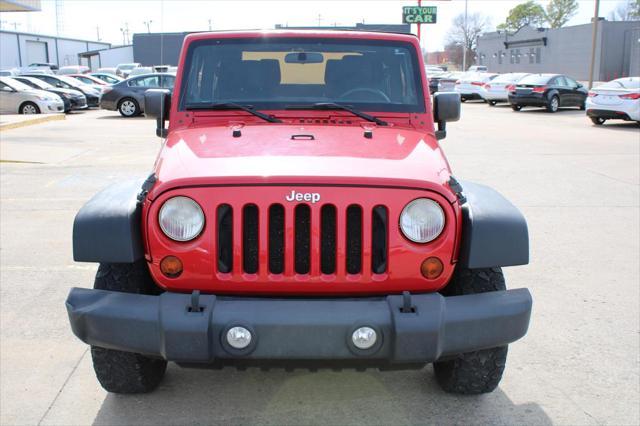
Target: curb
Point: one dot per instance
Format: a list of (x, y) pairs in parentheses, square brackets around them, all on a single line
[(30, 122)]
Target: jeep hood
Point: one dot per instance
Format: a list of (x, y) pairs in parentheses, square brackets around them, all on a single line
[(309, 155)]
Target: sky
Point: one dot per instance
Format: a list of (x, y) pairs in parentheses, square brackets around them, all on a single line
[(85, 19)]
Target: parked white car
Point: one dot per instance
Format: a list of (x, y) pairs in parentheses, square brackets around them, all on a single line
[(17, 97), (470, 85), (616, 100), (73, 69), (497, 89), (140, 71)]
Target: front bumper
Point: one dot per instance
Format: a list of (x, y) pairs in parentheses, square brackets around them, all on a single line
[(302, 329)]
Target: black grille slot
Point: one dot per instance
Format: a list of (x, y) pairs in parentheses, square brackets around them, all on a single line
[(379, 239), (328, 239), (250, 239), (302, 239), (276, 239), (225, 238), (354, 239)]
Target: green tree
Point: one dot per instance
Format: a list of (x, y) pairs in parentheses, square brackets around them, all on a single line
[(559, 12), (628, 10), (529, 13)]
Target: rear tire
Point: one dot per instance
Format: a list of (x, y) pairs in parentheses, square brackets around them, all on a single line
[(476, 372), (598, 121), (463, 100), (119, 371), (516, 107), (128, 108), (554, 104), (29, 108)]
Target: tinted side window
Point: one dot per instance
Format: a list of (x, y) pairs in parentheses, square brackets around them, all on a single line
[(571, 82), (151, 81), (168, 81)]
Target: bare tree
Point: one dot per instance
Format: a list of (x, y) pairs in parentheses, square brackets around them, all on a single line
[(460, 34), (628, 10)]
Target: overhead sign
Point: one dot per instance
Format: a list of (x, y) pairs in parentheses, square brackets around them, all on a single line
[(419, 14)]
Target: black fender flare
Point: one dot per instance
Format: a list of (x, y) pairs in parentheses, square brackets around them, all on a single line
[(108, 227), (494, 231)]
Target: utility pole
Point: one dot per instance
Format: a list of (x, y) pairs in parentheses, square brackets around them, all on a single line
[(148, 24), (98, 32), (319, 19), (210, 27), (593, 43), (466, 36)]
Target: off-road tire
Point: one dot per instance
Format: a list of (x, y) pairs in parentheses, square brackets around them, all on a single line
[(476, 372), (29, 108), (516, 107), (551, 106), (128, 107), (598, 121), (119, 371)]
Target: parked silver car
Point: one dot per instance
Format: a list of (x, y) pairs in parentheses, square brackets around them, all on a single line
[(127, 97), (17, 97)]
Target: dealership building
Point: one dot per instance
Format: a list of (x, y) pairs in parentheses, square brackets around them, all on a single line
[(565, 50)]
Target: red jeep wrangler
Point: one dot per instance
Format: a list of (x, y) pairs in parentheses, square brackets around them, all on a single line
[(300, 214)]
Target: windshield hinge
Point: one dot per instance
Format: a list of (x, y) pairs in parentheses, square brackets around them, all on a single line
[(457, 189), (146, 186)]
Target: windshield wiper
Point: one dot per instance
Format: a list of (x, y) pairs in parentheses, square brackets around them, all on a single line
[(333, 105), (232, 105)]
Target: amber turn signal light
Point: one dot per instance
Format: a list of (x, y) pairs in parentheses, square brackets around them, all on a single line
[(171, 266), (431, 268)]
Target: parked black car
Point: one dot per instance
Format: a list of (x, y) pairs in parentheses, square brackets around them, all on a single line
[(72, 99), (63, 82), (127, 97), (550, 91)]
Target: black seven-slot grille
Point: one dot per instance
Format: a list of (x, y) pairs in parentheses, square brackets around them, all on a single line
[(301, 254)]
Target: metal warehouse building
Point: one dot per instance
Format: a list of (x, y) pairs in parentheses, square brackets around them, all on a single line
[(164, 48), (565, 50), (21, 49)]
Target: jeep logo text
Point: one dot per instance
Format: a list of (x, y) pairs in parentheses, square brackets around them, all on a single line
[(314, 197)]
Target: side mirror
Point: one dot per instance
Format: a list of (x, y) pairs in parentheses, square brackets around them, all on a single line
[(580, 85), (157, 104), (446, 107)]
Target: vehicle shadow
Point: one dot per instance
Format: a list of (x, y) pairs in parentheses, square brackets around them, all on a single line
[(625, 126), (117, 116), (561, 111), (231, 397)]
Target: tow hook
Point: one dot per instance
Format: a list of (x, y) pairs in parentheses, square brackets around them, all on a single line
[(407, 306), (195, 306)]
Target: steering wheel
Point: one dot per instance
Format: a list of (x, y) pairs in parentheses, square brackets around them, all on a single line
[(368, 90)]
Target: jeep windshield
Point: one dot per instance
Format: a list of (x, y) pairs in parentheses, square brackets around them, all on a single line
[(291, 73)]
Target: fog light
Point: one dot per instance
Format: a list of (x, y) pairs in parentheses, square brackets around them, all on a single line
[(364, 338), (171, 266), (238, 337), (431, 268)]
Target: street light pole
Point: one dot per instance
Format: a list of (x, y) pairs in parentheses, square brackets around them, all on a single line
[(464, 46), (593, 43), (148, 24)]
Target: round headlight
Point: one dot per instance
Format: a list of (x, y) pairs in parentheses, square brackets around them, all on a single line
[(422, 220), (181, 218)]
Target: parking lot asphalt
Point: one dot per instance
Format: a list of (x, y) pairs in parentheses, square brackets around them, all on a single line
[(577, 184)]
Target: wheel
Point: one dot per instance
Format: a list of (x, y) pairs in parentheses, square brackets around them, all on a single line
[(29, 108), (493, 103), (583, 106), (516, 107), (119, 371), (129, 107), (553, 104), (463, 100), (598, 121), (480, 371)]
